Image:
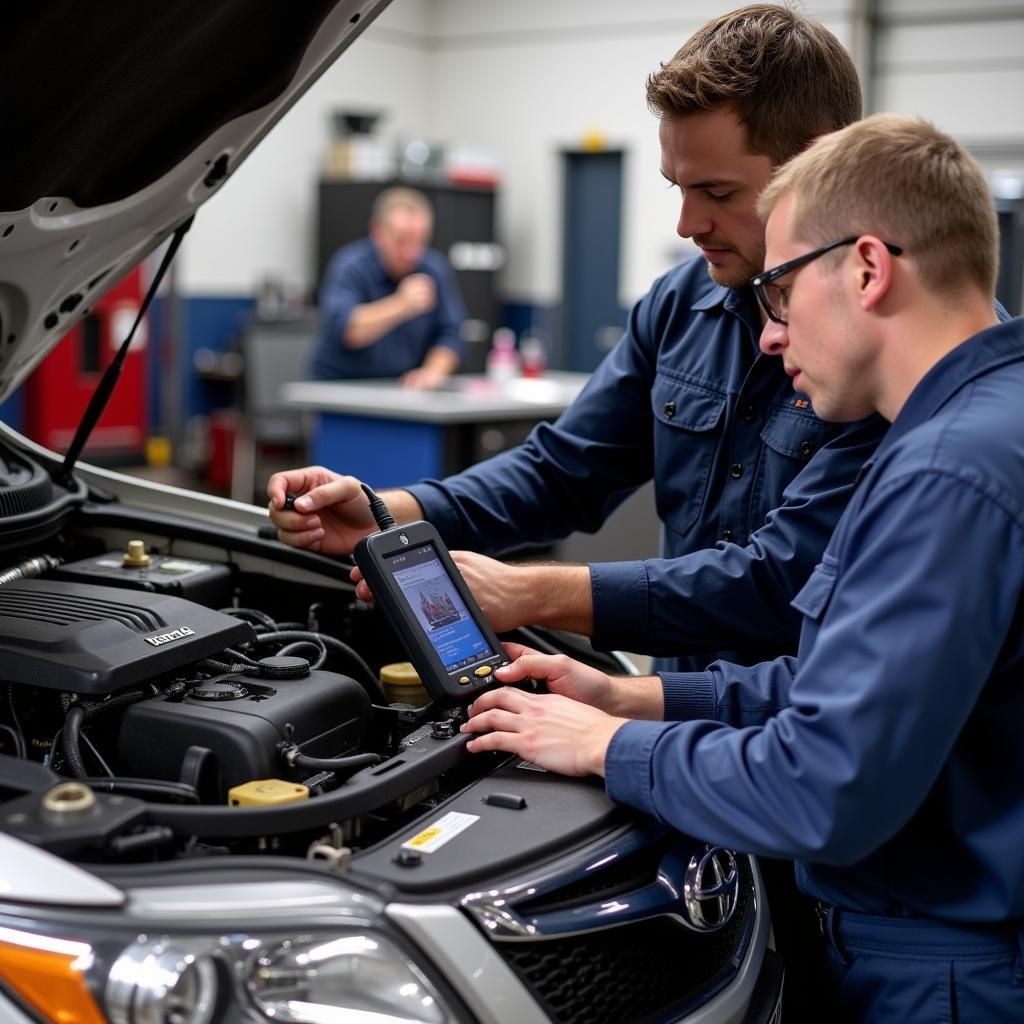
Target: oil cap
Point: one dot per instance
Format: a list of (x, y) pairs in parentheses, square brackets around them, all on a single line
[(283, 667)]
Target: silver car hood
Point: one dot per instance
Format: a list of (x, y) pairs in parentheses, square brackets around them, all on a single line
[(120, 120)]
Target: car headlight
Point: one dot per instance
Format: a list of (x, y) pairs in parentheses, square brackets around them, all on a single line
[(310, 981), (103, 974)]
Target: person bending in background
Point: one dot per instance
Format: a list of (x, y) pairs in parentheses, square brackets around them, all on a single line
[(886, 758), (390, 305)]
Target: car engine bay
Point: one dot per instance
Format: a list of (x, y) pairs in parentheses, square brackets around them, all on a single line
[(188, 690)]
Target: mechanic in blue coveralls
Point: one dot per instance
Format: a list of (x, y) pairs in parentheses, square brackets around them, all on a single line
[(685, 397), (390, 305), (886, 758)]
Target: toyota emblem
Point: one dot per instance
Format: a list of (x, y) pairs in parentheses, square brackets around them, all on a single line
[(711, 889)]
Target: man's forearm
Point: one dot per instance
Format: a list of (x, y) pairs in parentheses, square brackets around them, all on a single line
[(639, 697), (370, 321), (554, 595), (402, 505)]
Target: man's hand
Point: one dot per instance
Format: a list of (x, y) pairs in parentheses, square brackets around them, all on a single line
[(418, 294), (620, 696), (423, 378), (331, 512), (563, 676), (494, 584), (523, 595), (501, 590), (550, 730)]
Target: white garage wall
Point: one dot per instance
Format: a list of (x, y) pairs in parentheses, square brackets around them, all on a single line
[(533, 78), (529, 78)]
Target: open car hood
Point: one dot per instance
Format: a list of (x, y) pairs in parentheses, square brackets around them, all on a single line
[(120, 120)]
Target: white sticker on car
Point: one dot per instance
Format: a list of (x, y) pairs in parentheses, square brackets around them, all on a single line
[(446, 828)]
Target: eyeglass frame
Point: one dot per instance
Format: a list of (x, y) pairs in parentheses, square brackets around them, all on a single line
[(768, 276)]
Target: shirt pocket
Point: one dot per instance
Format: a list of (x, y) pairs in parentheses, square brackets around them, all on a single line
[(790, 439), (687, 432), (816, 594)]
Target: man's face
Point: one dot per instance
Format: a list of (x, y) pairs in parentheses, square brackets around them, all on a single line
[(401, 239), (826, 345), (706, 156)]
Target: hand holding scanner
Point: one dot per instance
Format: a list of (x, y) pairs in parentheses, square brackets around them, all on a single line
[(423, 595)]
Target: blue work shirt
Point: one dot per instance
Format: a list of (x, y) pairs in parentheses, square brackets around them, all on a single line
[(887, 757), (688, 398), (354, 276)]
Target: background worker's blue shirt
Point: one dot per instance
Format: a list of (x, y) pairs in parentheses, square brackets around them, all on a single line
[(355, 276), (894, 767), (685, 397)]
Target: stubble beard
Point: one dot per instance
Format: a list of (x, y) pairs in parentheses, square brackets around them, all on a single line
[(740, 274)]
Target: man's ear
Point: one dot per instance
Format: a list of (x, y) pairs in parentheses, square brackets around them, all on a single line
[(873, 269)]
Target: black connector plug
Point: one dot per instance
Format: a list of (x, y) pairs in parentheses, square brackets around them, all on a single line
[(381, 516)]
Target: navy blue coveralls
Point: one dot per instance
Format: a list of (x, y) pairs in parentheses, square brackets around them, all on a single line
[(887, 758), (354, 276), (685, 397)]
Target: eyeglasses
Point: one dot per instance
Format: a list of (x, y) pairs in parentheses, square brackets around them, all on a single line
[(774, 299)]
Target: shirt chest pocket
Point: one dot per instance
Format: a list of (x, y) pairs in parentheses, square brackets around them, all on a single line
[(687, 432), (816, 594), (790, 439)]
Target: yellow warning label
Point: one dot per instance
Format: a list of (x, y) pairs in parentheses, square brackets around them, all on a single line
[(424, 837), (446, 828)]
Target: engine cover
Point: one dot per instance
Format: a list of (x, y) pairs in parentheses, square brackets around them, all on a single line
[(241, 722), (90, 639)]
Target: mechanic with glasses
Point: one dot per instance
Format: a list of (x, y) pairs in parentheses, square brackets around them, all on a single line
[(886, 757)]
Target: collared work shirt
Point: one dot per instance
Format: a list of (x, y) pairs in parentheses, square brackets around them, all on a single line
[(356, 276), (687, 398), (887, 757)]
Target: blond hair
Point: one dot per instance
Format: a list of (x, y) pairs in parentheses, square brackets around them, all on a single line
[(787, 77), (902, 179), (400, 197)]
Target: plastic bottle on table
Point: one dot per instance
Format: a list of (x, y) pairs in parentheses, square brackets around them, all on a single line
[(503, 360), (532, 355)]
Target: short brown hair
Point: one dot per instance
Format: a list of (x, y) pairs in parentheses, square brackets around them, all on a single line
[(788, 78), (400, 197), (903, 180)]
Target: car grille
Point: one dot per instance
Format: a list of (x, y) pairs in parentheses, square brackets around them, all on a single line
[(640, 973)]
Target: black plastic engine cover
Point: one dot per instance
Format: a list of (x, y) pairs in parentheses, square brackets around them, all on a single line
[(328, 714), (89, 639)]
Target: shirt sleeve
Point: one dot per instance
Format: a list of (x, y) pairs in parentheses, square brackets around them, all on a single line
[(567, 475), (899, 645), (344, 287), (734, 596), (733, 694)]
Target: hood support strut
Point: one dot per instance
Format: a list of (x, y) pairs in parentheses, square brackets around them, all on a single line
[(102, 394)]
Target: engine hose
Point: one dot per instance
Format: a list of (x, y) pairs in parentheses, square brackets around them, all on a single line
[(370, 682), (223, 668), (252, 615), (343, 767), (72, 740), (240, 655), (179, 792), (30, 567), (314, 663), (71, 734)]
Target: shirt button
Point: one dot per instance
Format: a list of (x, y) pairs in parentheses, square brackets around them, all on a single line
[(736, 470), (669, 409), (727, 535), (806, 448), (747, 413)]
